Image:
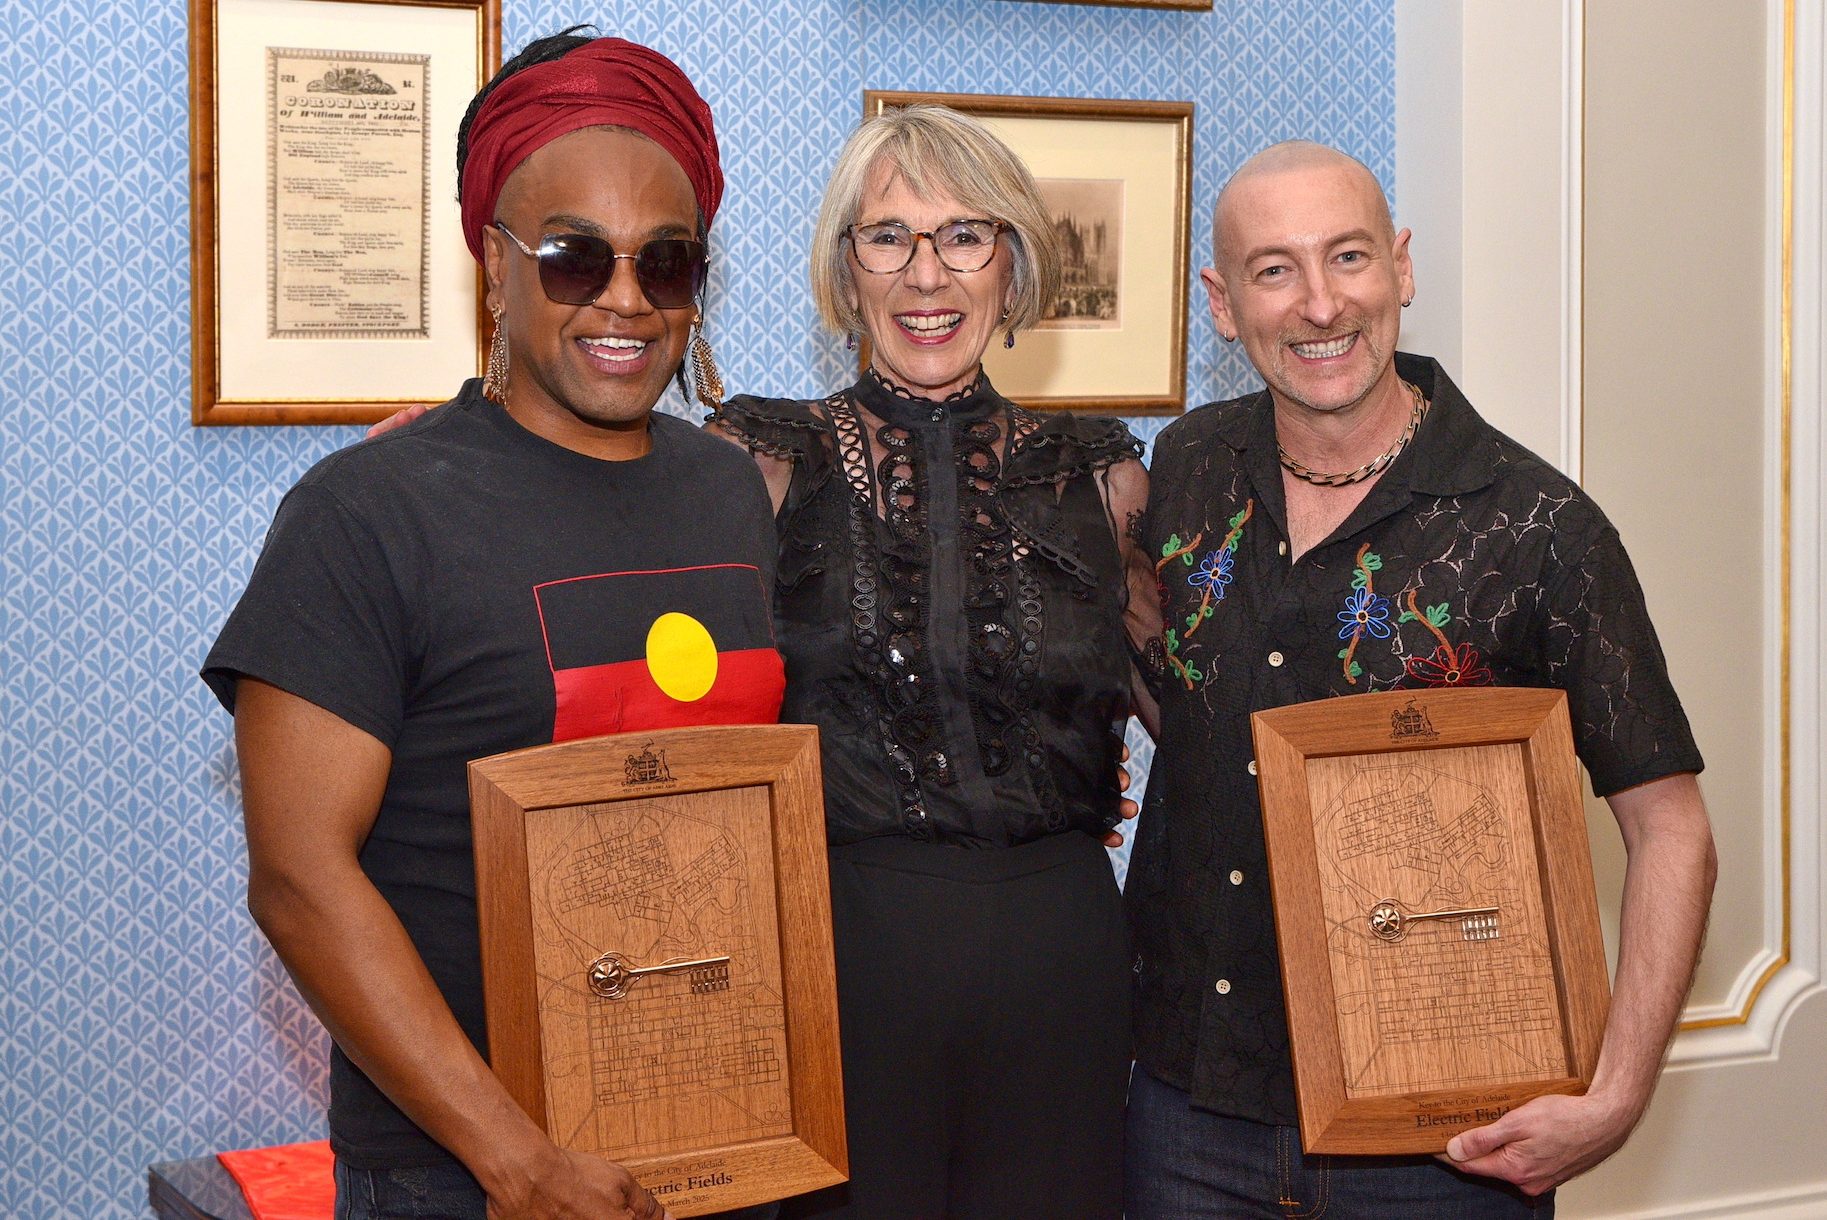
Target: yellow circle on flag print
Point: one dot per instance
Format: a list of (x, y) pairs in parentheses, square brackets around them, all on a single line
[(681, 656)]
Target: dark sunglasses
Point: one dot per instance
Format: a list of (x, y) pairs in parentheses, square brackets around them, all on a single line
[(574, 268)]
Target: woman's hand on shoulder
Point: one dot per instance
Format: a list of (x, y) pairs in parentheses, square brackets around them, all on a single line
[(399, 419)]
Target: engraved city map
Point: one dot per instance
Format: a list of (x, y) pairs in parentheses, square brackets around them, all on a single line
[(684, 1055), (1433, 907)]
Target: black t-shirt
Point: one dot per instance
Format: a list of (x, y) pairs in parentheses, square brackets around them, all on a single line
[(1471, 562), (461, 587)]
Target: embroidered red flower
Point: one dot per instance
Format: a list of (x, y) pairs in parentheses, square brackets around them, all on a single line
[(1450, 665)]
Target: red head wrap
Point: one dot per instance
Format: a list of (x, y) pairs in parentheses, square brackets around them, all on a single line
[(605, 82)]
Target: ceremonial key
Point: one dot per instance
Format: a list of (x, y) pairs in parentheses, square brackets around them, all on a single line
[(1388, 921), (610, 974)]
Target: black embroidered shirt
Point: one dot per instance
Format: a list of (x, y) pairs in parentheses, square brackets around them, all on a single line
[(1471, 562)]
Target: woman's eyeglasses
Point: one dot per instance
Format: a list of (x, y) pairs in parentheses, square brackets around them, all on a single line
[(574, 268), (962, 245)]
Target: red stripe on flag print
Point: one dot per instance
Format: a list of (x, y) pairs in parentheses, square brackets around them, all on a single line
[(624, 698), (657, 649)]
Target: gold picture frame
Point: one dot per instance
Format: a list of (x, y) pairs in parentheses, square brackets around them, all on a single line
[(657, 956), (330, 283), (1441, 953), (1201, 6), (1118, 175)]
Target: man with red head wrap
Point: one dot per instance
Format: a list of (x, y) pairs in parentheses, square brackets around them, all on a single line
[(485, 579)]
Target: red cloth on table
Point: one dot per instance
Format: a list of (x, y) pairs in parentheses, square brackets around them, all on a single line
[(287, 1182)]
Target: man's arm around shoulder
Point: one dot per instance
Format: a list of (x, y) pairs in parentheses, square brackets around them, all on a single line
[(1668, 886), (312, 786)]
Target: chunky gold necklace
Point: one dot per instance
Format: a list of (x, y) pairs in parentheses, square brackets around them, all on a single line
[(1374, 465)]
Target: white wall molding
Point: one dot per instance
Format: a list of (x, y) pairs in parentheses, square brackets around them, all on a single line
[(1573, 233), (1808, 1204), (1490, 115), (1430, 169), (1803, 340), (1732, 1130), (1522, 214), (1747, 1024)]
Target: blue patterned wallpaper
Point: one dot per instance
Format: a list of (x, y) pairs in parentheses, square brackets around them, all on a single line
[(142, 1016)]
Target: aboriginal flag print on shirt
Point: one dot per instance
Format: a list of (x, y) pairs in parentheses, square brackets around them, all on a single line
[(632, 651)]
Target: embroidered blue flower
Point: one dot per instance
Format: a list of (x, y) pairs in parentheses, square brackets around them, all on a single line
[(1214, 574), (1364, 611)]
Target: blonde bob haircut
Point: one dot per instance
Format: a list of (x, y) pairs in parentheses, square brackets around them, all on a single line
[(936, 151)]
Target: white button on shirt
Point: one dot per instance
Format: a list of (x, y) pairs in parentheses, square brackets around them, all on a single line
[(1275, 658), (1224, 986)]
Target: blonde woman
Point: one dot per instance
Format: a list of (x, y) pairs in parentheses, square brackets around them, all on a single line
[(962, 611)]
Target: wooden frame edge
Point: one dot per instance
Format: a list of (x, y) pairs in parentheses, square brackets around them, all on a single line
[(1178, 6), (1320, 1076), (811, 960), (499, 846), (207, 407), (1570, 895)]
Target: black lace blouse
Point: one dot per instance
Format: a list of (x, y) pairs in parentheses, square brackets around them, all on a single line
[(951, 608)]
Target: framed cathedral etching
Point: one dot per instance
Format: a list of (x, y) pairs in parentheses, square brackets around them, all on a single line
[(657, 958), (1116, 178), (1434, 908), (329, 278)]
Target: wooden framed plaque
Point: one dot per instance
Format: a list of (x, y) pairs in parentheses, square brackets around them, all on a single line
[(1435, 910), (656, 956)]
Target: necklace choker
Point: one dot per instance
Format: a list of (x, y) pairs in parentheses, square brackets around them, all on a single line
[(1374, 466), (900, 391)]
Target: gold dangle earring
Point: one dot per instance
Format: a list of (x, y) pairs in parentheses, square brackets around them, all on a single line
[(707, 383), (495, 379)]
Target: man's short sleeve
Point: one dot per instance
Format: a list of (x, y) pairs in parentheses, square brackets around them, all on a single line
[(322, 618), (1600, 647)]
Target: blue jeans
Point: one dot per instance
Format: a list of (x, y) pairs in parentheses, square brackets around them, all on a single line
[(1183, 1163), (428, 1192), (440, 1192)]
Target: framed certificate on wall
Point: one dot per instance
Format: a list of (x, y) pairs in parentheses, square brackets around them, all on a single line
[(329, 278)]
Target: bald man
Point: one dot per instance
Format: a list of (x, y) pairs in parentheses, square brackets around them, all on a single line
[(1355, 526)]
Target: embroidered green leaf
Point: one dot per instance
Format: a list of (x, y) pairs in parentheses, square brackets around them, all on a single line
[(1373, 561), (1356, 670), (1170, 546), (1237, 518), (1171, 638), (1206, 611), (1340, 654), (1187, 559), (1405, 617), (1194, 675), (1192, 620), (1438, 616), (1359, 579)]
